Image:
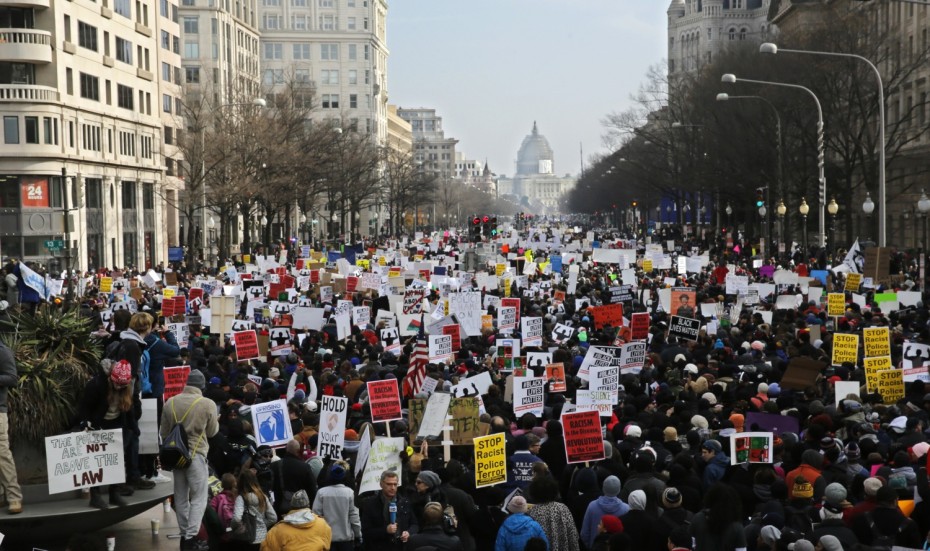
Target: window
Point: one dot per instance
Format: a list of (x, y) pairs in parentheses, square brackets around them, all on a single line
[(128, 192), (148, 196), (274, 50), (353, 101), (353, 76), (192, 75), (302, 75), (67, 28), (176, 44), (271, 2), (90, 87), (329, 52), (326, 3), (90, 137), (145, 145), (87, 36), (93, 193), (365, 23), (50, 129), (271, 22), (163, 8), (299, 22), (32, 129), (329, 76), (191, 50), (353, 52), (124, 96), (69, 81), (367, 50), (273, 76), (166, 72), (11, 130), (166, 103), (191, 25), (301, 51), (327, 22), (367, 76), (351, 3), (169, 135), (330, 101), (299, 3), (123, 7), (165, 40), (127, 144), (124, 50), (350, 24)]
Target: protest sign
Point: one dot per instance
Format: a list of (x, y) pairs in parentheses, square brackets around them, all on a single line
[(390, 340), (915, 355), (594, 357), (528, 395), (891, 385), (872, 367), (429, 385), (877, 341), (845, 348), (465, 420), (271, 424), (751, 447), (364, 449), (384, 400), (684, 328), (583, 440), (844, 389), (246, 345), (562, 332), (853, 281), (506, 320), (639, 326), (512, 303), (772, 422), (609, 314), (476, 385), (490, 460), (148, 426), (331, 439), (413, 301), (508, 354), (555, 373), (175, 379), (434, 417), (106, 284), (538, 360), (836, 304), (532, 331), (84, 459), (466, 307), (916, 374), (361, 316), (384, 455), (632, 357), (440, 348), (455, 332)]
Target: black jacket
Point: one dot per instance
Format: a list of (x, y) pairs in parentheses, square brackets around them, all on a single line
[(291, 476), (434, 537), (375, 521)]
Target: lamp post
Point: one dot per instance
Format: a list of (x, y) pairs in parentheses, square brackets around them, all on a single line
[(211, 227), (821, 225), (334, 229), (762, 226), (833, 208), (804, 209), (781, 210), (779, 168), (303, 227), (868, 207), (770, 48), (923, 207)]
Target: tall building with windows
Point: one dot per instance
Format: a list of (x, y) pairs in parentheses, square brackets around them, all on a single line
[(698, 30), (432, 150), (337, 49), (80, 101)]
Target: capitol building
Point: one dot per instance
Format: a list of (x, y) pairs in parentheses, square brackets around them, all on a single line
[(535, 184)]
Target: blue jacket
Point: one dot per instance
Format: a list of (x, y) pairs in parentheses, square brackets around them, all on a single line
[(715, 469), (601, 506), (516, 530), (521, 469), (159, 352)]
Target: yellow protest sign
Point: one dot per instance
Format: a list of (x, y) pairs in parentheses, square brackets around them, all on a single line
[(506, 283), (106, 284), (528, 255), (877, 341), (362, 263), (872, 367), (490, 460), (891, 385), (167, 292), (845, 348), (487, 322), (418, 258), (500, 268), (647, 265), (247, 258), (836, 304), (852, 282), (382, 261)]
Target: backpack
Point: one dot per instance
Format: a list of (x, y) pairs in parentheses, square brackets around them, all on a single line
[(144, 371), (224, 508), (174, 452), (880, 540)]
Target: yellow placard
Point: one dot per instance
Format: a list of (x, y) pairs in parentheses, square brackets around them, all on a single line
[(506, 283), (445, 307), (418, 258), (106, 284), (487, 322), (877, 341), (836, 304), (853, 281), (891, 385), (872, 366), (647, 265), (382, 261), (528, 255), (500, 268), (247, 258), (845, 348), (490, 460), (362, 263), (167, 292)]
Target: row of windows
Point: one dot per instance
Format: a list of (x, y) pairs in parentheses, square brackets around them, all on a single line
[(329, 51), (320, 3), (88, 38), (301, 22), (11, 130)]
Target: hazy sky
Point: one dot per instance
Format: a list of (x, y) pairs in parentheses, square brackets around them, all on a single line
[(492, 67)]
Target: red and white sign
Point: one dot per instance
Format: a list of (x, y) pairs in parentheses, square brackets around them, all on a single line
[(246, 345), (175, 379), (583, 440), (34, 192), (384, 400)]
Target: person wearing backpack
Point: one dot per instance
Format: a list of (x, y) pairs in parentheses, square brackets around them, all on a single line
[(131, 348), (885, 525), (161, 346), (224, 504), (198, 417)]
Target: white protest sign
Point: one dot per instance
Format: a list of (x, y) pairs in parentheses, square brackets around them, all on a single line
[(271, 424), (84, 459), (364, 448), (332, 434), (506, 320), (594, 358), (473, 386), (440, 348), (434, 417), (532, 331), (528, 395), (384, 456)]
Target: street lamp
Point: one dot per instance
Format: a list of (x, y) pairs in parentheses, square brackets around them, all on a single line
[(730, 78), (923, 207), (770, 48), (781, 210), (804, 209), (868, 207), (833, 208)]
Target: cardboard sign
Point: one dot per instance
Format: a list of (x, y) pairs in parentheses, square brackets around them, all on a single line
[(801, 373), (434, 416), (555, 374), (639, 326), (384, 455), (384, 400), (684, 328), (332, 435), (836, 304), (465, 414), (246, 345), (582, 433), (751, 447), (609, 314), (271, 424), (532, 331), (490, 460), (528, 395), (845, 348), (853, 281), (175, 379), (877, 341), (84, 459)]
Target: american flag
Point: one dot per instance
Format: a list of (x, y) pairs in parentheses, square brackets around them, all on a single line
[(418, 360)]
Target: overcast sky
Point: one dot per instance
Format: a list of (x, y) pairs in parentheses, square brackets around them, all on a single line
[(492, 67)]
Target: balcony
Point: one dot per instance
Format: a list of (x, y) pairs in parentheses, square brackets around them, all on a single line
[(26, 45), (38, 4), (27, 93)]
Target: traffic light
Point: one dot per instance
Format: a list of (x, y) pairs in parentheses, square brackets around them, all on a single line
[(760, 198), (486, 225), (475, 229), (494, 226)]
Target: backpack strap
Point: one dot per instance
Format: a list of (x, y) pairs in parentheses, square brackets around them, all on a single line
[(183, 417)]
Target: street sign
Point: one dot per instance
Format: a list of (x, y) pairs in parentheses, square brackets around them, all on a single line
[(54, 244)]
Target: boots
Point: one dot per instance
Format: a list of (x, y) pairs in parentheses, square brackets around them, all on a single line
[(96, 498), (115, 497)]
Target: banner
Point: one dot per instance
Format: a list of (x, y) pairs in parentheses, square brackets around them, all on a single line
[(583, 440), (490, 460), (639, 326), (271, 423), (877, 341), (175, 379), (684, 328), (246, 345), (84, 459), (845, 348), (531, 331), (555, 373), (528, 395), (383, 456), (384, 400), (440, 348), (332, 435), (751, 447)]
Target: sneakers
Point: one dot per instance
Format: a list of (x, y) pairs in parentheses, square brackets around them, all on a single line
[(15, 507), (126, 490), (194, 544), (159, 478), (141, 484)]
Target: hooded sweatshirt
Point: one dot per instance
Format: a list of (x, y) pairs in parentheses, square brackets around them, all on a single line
[(601, 506), (299, 530), (516, 530)]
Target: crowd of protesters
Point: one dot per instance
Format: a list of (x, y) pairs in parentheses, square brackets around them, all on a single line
[(854, 476)]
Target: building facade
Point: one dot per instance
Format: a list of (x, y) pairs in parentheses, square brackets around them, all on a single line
[(535, 184), (81, 100), (432, 150)]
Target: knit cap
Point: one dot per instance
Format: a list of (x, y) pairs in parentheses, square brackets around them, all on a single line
[(835, 493), (517, 505), (671, 498), (802, 489), (612, 524), (611, 486), (637, 500)]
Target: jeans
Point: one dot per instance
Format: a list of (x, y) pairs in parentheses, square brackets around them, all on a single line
[(190, 496), (8, 480)]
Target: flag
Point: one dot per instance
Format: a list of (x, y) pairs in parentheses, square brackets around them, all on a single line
[(418, 360), (854, 258)]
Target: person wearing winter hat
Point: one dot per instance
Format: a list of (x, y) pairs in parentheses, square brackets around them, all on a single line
[(336, 502), (300, 527), (831, 515), (801, 545), (829, 543), (716, 462), (811, 468), (294, 475), (518, 528), (699, 422), (739, 421), (870, 487), (670, 434), (886, 524), (768, 538), (761, 397), (432, 533), (642, 527), (632, 431), (710, 397), (607, 504)]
